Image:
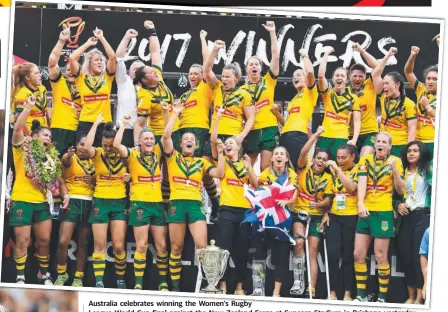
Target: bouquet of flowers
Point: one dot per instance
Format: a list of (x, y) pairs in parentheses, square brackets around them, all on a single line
[(42, 165)]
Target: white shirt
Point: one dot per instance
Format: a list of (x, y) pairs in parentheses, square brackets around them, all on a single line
[(126, 95), (417, 200)]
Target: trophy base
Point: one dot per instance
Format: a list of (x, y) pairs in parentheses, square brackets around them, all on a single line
[(209, 291)]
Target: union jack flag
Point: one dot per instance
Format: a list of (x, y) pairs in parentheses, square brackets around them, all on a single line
[(266, 214)]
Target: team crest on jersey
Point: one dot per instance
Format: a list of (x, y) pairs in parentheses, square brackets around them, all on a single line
[(140, 214), (384, 226), (95, 211), (173, 210), (19, 214)]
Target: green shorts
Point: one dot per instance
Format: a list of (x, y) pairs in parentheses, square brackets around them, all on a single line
[(331, 145), (397, 149), (144, 213), (185, 211), (377, 224), (201, 134), (63, 138), (314, 224), (23, 213), (367, 139), (265, 139), (208, 148), (430, 147), (105, 210), (78, 211)]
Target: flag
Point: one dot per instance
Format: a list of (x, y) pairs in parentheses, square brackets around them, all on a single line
[(266, 214)]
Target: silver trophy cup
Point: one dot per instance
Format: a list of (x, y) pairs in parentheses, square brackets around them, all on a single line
[(213, 262)]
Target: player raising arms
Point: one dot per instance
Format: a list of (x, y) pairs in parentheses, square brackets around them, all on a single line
[(232, 235), (153, 93), (314, 198), (195, 119), (185, 175), (379, 174), (94, 81), (426, 99), (146, 211), (398, 113), (109, 202), (264, 136), (339, 106), (78, 172), (29, 207), (300, 110), (66, 98), (361, 84)]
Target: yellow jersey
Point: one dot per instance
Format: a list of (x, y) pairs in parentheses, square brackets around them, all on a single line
[(74, 174), (380, 182), (109, 171), (232, 185), (39, 110), (232, 119), (337, 112), (344, 203), (268, 177), (197, 103), (262, 94), (146, 177), (66, 103), (95, 96), (395, 116), (186, 174), (367, 105), (312, 187), (300, 110), (149, 103), (425, 125), (24, 189)]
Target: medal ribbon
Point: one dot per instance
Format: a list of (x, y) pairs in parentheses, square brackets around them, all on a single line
[(390, 111), (238, 173), (90, 170), (150, 168), (109, 165), (414, 184), (376, 173), (184, 167)]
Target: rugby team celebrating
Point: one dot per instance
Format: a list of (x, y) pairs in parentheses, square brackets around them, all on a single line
[(147, 169)]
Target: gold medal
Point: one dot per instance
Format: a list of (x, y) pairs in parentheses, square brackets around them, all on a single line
[(374, 191), (188, 183)]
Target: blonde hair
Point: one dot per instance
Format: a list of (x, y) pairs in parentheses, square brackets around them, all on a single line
[(19, 72), (235, 68), (385, 134), (288, 163), (85, 68)]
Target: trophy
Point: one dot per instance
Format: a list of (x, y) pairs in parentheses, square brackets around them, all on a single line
[(213, 262)]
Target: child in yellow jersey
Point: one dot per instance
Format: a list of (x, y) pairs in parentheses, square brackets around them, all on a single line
[(27, 82), (300, 110), (66, 99), (379, 174), (78, 173), (30, 193), (426, 99), (280, 164), (361, 84), (340, 106), (314, 199), (264, 136), (185, 174), (343, 217), (398, 112), (146, 210), (232, 235), (239, 111), (94, 81), (109, 202)]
